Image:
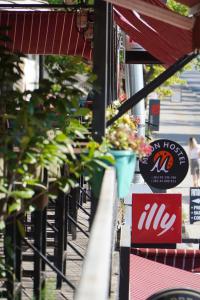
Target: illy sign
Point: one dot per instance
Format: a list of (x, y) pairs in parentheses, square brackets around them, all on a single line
[(156, 218)]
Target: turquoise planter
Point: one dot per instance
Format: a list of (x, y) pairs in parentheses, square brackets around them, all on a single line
[(125, 168), (96, 181)]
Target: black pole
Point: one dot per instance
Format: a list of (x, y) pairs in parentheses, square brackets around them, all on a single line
[(37, 280), (100, 59), (60, 235), (46, 6), (110, 53), (133, 100), (124, 273)]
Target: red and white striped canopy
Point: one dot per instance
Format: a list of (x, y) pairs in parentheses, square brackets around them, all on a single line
[(148, 277), (45, 32), (185, 259), (163, 40)]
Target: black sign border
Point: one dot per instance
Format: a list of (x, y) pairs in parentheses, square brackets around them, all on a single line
[(159, 185), (176, 292)]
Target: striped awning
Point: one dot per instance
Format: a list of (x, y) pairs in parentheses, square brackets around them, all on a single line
[(148, 277), (45, 32), (185, 259), (165, 41)]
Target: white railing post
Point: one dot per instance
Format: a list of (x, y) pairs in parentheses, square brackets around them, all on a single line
[(95, 278)]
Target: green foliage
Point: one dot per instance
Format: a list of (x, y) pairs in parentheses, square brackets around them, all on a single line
[(197, 63), (153, 71), (122, 135), (41, 129), (89, 2), (55, 1), (49, 291), (178, 7)]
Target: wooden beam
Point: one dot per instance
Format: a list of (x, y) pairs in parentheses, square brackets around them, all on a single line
[(156, 12)]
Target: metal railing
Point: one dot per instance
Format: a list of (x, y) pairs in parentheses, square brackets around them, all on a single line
[(95, 279)]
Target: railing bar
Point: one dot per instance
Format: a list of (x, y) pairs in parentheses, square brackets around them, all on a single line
[(49, 264), (52, 227), (83, 209), (72, 220), (74, 248), (25, 293), (79, 222), (85, 193)]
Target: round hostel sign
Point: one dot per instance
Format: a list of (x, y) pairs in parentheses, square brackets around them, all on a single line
[(176, 294), (167, 165)]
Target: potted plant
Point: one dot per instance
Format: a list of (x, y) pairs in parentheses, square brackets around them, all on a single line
[(95, 158), (125, 145)]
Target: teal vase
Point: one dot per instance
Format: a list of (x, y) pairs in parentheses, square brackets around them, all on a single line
[(125, 168)]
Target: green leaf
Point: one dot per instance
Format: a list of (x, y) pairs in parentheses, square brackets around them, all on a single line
[(101, 163), (26, 194), (81, 112), (15, 206), (65, 188)]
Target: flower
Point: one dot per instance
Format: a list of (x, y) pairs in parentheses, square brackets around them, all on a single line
[(122, 135)]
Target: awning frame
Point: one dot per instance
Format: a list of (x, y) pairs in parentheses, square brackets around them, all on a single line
[(159, 13), (141, 94), (140, 57)]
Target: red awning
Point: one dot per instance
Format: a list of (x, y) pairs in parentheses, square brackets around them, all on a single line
[(147, 277), (185, 259), (166, 42), (45, 32)]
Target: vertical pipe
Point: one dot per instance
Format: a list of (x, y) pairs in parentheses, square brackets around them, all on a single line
[(75, 193), (60, 224), (37, 282), (137, 83), (100, 68), (18, 251), (44, 225), (10, 261)]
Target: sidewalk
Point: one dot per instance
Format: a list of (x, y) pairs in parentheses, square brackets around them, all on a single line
[(179, 121)]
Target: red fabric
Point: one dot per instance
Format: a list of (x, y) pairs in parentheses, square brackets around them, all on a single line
[(186, 259), (144, 36), (147, 277), (164, 41), (46, 32), (196, 31)]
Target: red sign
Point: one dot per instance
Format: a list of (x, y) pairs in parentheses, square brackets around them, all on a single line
[(155, 109), (156, 218)]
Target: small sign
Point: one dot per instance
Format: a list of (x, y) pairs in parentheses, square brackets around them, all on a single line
[(194, 205), (154, 114), (176, 294), (166, 166), (156, 218)]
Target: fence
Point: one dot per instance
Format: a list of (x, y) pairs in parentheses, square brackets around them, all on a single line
[(97, 266)]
